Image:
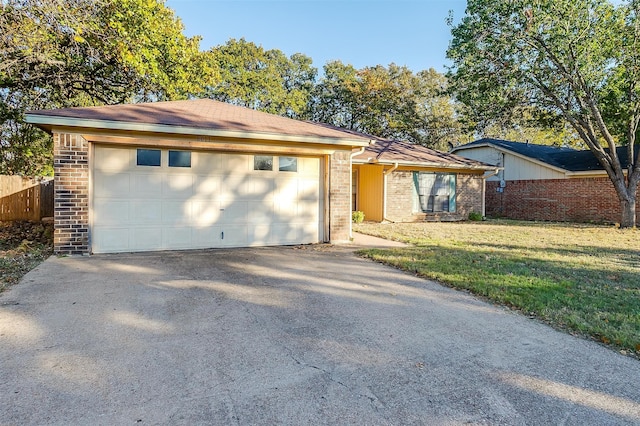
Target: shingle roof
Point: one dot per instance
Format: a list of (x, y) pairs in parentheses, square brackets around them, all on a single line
[(390, 151), (203, 114), (565, 158)]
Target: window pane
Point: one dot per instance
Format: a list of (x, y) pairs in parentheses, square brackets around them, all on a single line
[(179, 159), (436, 191), (288, 164), (262, 162), (148, 157)]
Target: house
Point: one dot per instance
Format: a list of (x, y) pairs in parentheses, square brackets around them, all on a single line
[(400, 182), (539, 182), (195, 174)]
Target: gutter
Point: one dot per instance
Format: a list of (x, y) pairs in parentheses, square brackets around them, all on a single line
[(384, 191)]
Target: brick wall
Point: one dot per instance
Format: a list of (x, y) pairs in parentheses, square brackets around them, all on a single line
[(563, 200), (71, 194), (340, 196), (400, 196)]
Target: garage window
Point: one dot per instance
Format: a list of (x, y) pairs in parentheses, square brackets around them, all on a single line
[(148, 157), (179, 159), (262, 162), (288, 164)]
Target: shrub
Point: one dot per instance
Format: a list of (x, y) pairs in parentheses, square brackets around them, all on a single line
[(357, 217), (475, 216)]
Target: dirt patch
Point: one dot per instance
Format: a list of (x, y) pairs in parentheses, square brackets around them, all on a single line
[(23, 245)]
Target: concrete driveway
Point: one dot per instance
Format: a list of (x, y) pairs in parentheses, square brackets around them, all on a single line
[(287, 335)]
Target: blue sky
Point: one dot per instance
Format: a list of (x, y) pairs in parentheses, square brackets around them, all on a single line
[(358, 32)]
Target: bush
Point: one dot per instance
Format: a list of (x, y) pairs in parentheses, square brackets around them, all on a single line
[(475, 216), (357, 217)]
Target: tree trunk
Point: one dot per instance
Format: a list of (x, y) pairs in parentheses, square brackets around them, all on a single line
[(628, 213)]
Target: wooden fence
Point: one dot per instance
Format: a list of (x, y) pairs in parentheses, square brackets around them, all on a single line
[(32, 203)]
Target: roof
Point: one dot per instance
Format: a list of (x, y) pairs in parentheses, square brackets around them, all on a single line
[(565, 158), (197, 116), (390, 152)]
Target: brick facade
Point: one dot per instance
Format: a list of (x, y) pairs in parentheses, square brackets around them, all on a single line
[(71, 194), (400, 198), (563, 200), (340, 196)]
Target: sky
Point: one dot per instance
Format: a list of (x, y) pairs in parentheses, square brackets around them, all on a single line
[(362, 33)]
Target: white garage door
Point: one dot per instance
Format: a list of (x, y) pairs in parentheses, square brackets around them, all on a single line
[(159, 199)]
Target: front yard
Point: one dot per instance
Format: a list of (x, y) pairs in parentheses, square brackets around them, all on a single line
[(580, 278)]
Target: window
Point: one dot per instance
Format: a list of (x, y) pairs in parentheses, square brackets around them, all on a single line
[(262, 162), (288, 164), (179, 159), (436, 192), (148, 157)]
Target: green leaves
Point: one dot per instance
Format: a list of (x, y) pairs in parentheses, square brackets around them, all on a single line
[(391, 102)]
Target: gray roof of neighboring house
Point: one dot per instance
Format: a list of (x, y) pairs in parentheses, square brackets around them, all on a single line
[(391, 151), (204, 114), (569, 159)]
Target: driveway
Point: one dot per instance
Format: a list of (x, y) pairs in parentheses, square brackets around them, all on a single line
[(286, 335)]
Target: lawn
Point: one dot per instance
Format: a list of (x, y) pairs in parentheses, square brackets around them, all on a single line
[(581, 278), (23, 245)]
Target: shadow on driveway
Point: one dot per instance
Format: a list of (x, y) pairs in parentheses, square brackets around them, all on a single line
[(286, 335)]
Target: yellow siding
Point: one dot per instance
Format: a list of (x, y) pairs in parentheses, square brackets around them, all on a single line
[(370, 191)]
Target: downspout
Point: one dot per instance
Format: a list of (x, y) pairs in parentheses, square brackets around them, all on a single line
[(353, 154), (484, 190), (384, 191)]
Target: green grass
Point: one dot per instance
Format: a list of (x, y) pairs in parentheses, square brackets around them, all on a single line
[(580, 278)]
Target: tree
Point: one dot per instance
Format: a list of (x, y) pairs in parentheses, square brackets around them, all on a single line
[(572, 60), (85, 52), (391, 102), (266, 80)]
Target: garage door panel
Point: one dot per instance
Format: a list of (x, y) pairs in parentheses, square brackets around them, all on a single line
[(176, 212), (175, 237), (260, 235), (207, 236), (233, 163), (112, 159), (146, 239), (260, 212), (206, 213), (207, 187), (178, 186), (235, 212), (112, 184), (147, 185), (286, 233), (309, 167), (256, 187), (235, 236), (111, 212), (146, 212), (112, 239)]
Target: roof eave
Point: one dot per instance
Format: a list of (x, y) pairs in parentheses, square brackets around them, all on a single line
[(415, 164), (47, 122)]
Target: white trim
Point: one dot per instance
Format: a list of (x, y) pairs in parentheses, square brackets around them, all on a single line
[(415, 164), (184, 130)]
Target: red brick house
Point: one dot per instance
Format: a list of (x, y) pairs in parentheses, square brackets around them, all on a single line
[(400, 182), (539, 182)]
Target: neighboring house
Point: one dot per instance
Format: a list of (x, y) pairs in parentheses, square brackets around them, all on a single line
[(400, 182), (195, 174), (540, 182)]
